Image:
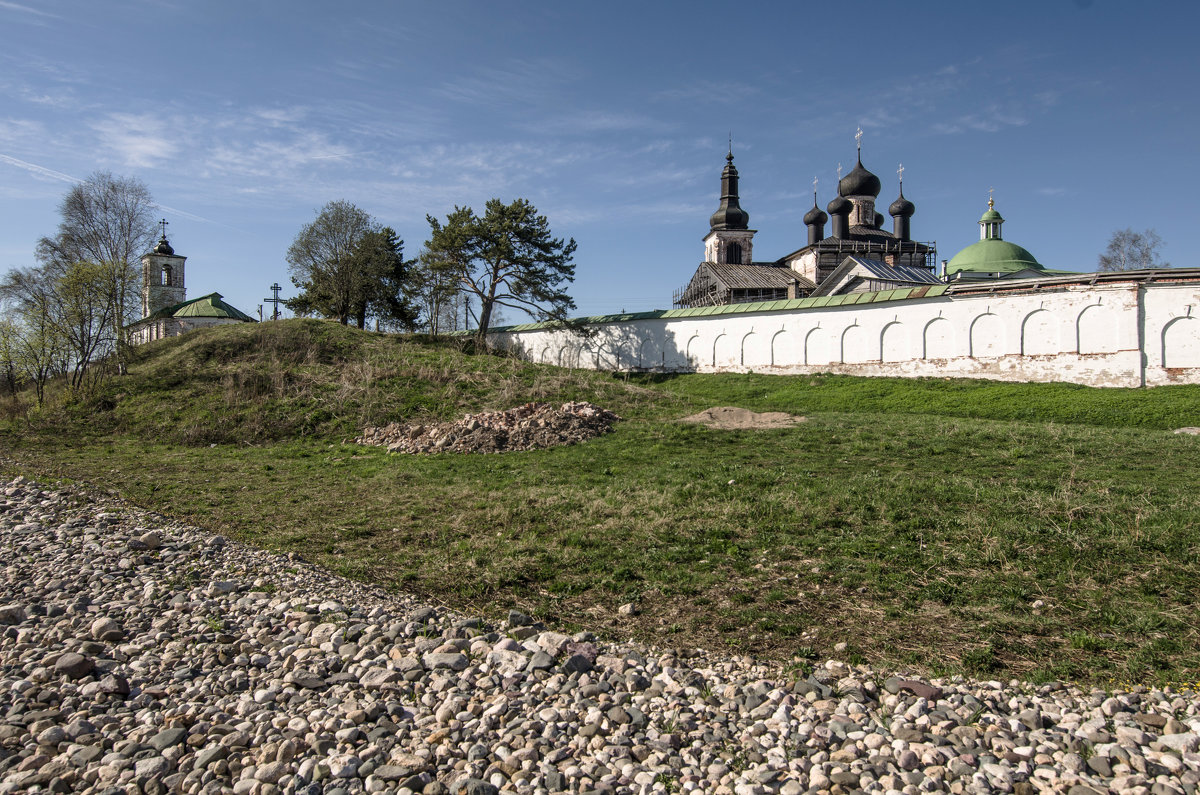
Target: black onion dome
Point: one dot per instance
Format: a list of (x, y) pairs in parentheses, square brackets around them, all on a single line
[(729, 217), (815, 216), (840, 206), (859, 182), (878, 220), (163, 247), (902, 207)]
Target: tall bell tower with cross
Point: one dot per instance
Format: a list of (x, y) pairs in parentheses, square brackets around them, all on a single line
[(162, 276)]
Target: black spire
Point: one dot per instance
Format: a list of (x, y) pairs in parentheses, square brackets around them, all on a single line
[(730, 214)]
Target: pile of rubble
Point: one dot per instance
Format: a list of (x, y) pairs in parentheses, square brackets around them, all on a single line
[(532, 426)]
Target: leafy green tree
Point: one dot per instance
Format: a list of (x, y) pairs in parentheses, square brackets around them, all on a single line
[(385, 281), (349, 267), (10, 340), (65, 302), (507, 257), (1129, 250), (83, 322), (35, 341), (321, 261), (107, 221)]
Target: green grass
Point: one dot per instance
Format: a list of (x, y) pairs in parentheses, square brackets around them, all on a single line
[(921, 530)]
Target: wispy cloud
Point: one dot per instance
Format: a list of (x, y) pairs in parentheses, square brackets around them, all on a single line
[(39, 171), (1052, 191), (186, 214), (585, 122), (138, 140), (990, 119), (520, 81), (721, 92), (7, 5)]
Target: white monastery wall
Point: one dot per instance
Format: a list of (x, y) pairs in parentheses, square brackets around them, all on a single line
[(1115, 334)]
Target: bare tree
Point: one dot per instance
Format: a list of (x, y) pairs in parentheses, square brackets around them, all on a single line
[(107, 221), (436, 289), (1129, 250)]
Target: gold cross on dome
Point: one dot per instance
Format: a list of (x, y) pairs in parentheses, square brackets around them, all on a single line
[(991, 201)]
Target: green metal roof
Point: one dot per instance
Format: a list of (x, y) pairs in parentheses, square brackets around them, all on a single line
[(785, 305), (992, 256), (209, 305)]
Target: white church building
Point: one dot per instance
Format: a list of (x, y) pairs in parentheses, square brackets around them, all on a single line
[(166, 312)]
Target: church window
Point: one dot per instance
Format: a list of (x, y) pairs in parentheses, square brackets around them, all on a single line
[(166, 274), (733, 254)]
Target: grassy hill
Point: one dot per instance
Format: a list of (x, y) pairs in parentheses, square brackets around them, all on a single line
[(1043, 531)]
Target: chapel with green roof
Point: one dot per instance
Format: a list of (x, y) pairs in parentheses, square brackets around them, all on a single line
[(166, 312), (993, 257)]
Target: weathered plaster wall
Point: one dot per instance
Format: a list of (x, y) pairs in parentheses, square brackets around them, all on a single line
[(1125, 334), (148, 331)]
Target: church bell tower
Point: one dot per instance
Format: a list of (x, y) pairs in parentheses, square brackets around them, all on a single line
[(730, 240), (162, 276)]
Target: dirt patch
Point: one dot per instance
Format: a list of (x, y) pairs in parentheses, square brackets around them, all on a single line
[(733, 417), (533, 426)]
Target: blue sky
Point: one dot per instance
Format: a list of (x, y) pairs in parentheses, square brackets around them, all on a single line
[(244, 118)]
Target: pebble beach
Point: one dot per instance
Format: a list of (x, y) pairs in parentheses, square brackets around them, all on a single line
[(142, 655)]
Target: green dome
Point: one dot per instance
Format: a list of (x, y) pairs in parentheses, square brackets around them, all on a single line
[(992, 256), (990, 215)]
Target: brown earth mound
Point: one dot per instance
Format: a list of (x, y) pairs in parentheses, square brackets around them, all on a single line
[(532, 426), (733, 417)]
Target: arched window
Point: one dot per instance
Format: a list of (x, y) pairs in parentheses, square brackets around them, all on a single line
[(733, 254)]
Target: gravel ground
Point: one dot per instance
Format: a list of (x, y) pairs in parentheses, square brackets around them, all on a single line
[(138, 654)]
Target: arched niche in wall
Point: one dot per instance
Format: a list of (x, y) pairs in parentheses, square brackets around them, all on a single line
[(692, 353), (645, 354), (1096, 330), (819, 347), (1181, 342), (987, 336), (756, 350), (894, 343), (725, 351), (1040, 333), (856, 345), (938, 339), (784, 349)]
